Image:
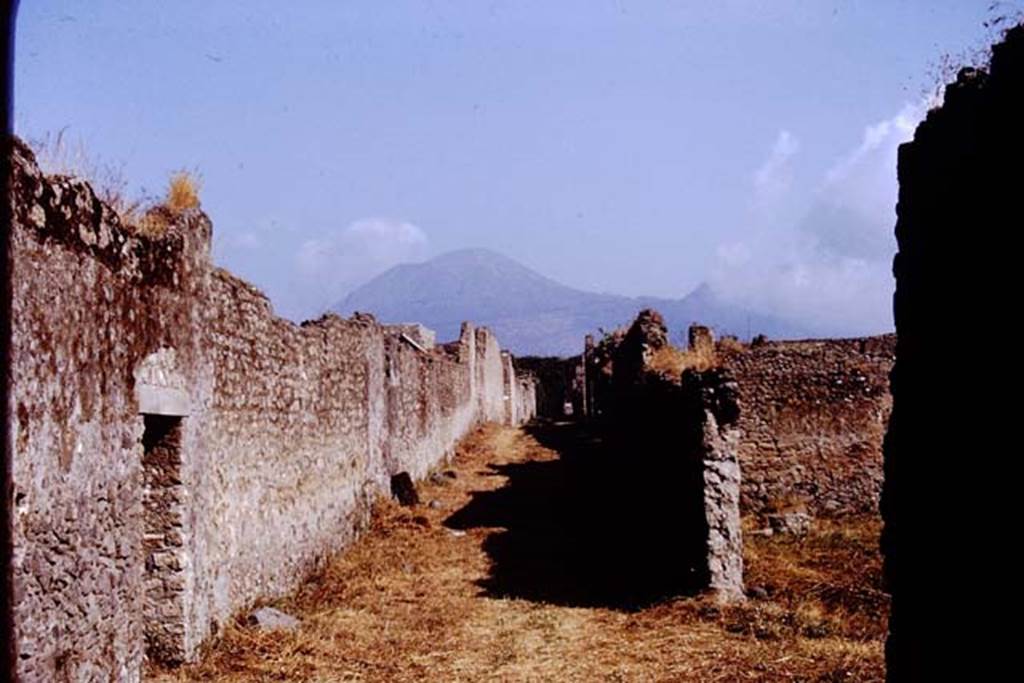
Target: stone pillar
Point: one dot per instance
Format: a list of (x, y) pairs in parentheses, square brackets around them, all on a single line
[(710, 397), (467, 356), (700, 339), (509, 391), (722, 508), (586, 388)]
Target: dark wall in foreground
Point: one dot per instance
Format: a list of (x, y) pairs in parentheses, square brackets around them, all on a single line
[(948, 481)]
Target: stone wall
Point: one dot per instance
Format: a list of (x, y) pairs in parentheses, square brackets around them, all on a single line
[(179, 451), (424, 337), (813, 417), (678, 483), (813, 412), (525, 398), (489, 387), (520, 392), (83, 323), (557, 383), (948, 448)]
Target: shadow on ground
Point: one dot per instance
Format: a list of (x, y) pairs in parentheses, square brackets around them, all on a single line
[(600, 526)]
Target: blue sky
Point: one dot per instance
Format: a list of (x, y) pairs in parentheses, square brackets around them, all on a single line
[(618, 146)]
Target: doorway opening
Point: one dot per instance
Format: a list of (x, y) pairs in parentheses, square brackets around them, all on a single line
[(163, 540)]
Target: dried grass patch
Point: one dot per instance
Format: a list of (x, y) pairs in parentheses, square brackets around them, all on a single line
[(403, 604), (183, 191), (671, 361)]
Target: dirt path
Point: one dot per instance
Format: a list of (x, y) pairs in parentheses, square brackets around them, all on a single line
[(471, 585)]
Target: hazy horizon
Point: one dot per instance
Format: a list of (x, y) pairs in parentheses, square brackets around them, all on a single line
[(616, 147)]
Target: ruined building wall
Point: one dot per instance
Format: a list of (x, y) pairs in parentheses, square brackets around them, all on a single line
[(179, 451), (526, 398), (83, 321), (948, 446), (555, 385), (813, 417), (430, 407), (284, 462), (490, 377), (678, 477), (520, 392)]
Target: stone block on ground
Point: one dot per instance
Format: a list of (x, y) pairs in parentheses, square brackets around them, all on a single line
[(795, 522), (270, 619), (404, 490)]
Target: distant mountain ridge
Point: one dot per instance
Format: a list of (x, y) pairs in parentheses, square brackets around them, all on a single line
[(530, 313)]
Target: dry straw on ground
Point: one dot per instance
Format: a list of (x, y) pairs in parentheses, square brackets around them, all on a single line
[(404, 604)]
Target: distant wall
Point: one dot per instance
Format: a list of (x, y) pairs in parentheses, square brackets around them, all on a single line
[(418, 334), (556, 384), (179, 451), (813, 418), (489, 387), (813, 412)]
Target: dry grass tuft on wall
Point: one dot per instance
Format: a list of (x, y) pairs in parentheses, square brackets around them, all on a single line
[(731, 345), (183, 191), (182, 195), (669, 360), (57, 155)]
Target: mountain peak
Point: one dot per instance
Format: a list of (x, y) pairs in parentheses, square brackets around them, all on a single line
[(480, 258), (472, 254), (530, 313)]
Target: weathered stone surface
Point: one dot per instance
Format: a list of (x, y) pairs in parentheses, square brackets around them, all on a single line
[(270, 619), (679, 439), (712, 402), (700, 339), (287, 433), (424, 337), (631, 355), (794, 522), (812, 422)]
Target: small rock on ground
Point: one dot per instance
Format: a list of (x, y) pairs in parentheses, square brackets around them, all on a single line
[(446, 477), (758, 593), (270, 619), (797, 523), (404, 490)]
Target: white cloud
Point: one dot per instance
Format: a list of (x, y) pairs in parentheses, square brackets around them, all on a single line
[(247, 240), (329, 266), (734, 254), (775, 176), (831, 269), (874, 160)]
